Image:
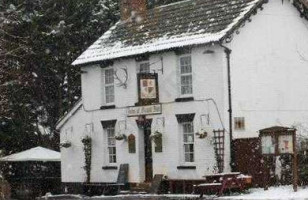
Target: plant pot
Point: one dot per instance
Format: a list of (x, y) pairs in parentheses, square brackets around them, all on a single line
[(65, 144), (120, 137)]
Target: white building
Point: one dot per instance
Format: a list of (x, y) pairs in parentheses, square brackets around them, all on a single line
[(166, 70)]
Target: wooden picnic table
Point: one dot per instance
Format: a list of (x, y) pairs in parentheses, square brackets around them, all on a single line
[(221, 182)]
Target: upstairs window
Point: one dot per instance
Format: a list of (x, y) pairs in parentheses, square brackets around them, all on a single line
[(109, 86), (185, 75), (239, 123), (144, 67)]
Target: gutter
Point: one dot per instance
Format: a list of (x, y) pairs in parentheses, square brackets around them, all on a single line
[(228, 52)]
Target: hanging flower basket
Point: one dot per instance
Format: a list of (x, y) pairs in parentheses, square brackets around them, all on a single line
[(120, 137), (65, 144), (202, 134), (86, 140), (156, 135)]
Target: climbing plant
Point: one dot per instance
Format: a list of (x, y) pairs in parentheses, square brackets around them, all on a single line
[(87, 148)]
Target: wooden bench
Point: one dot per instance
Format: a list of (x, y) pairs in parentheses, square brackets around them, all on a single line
[(219, 183), (207, 188)]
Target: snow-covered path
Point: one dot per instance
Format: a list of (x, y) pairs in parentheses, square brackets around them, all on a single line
[(273, 193)]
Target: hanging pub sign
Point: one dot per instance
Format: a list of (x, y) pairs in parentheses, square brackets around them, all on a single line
[(148, 89)]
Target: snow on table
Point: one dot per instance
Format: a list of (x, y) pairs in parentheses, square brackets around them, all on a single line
[(277, 193)]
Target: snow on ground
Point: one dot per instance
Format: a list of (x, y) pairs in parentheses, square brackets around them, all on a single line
[(277, 193), (273, 193), (138, 196)]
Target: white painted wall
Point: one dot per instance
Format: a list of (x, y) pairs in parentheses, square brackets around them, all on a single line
[(269, 76), (208, 82)]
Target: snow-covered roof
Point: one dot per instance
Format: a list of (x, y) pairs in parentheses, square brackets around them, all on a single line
[(186, 23), (69, 114), (34, 154)]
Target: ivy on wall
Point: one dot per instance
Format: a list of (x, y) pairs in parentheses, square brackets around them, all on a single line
[(87, 148)]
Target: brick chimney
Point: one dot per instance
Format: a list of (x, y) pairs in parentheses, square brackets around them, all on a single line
[(132, 8)]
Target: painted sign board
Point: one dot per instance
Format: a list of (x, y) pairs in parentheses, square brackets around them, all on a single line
[(285, 144), (268, 144), (147, 89), (144, 110)]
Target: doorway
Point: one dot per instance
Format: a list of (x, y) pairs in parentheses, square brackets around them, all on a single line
[(148, 159), (145, 127)]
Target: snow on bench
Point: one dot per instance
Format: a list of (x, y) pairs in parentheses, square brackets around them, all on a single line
[(208, 184)]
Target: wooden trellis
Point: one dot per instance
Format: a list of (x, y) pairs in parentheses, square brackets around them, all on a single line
[(219, 147)]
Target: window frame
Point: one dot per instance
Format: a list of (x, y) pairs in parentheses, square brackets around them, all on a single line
[(180, 75), (108, 85), (187, 143), (111, 144)]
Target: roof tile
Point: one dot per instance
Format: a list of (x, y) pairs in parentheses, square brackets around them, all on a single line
[(188, 22)]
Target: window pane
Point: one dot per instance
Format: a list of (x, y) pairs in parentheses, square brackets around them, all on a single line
[(185, 64), (144, 67), (185, 138), (109, 92), (188, 140), (239, 123), (191, 148), (109, 76), (186, 148), (188, 128), (186, 90), (189, 157), (186, 80), (111, 144), (186, 84)]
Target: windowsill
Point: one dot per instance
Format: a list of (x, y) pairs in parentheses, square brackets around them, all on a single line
[(186, 167), (106, 107), (184, 99), (109, 167)]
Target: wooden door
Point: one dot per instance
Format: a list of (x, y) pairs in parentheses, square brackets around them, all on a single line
[(148, 154)]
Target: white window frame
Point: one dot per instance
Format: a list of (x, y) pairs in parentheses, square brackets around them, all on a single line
[(187, 143), (108, 85), (180, 75), (143, 62), (111, 145)]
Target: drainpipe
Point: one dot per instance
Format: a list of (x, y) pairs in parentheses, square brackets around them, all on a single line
[(228, 53)]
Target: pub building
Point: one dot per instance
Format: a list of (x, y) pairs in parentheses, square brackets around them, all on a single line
[(163, 91)]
